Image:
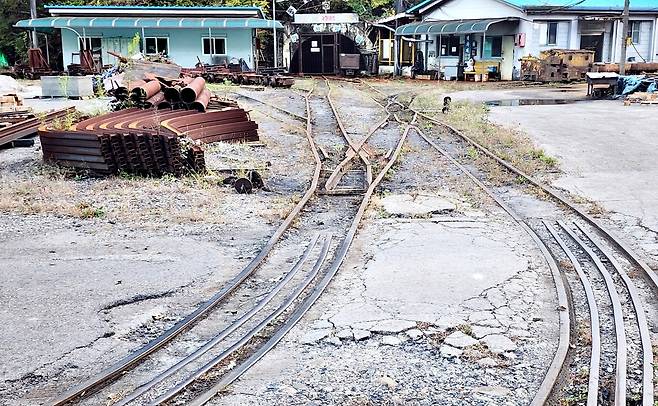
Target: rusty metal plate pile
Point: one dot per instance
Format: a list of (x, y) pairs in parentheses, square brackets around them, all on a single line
[(139, 153), (21, 124), (147, 142)]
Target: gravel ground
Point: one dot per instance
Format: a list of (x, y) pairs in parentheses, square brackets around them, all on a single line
[(442, 299), (398, 326)]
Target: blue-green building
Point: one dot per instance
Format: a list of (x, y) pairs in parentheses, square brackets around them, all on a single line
[(185, 34)]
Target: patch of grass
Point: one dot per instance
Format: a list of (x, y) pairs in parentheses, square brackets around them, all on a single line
[(88, 211), (472, 152), (539, 154), (303, 84), (65, 122), (509, 144), (584, 335)]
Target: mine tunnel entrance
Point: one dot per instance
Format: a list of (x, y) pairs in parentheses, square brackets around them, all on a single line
[(320, 53)]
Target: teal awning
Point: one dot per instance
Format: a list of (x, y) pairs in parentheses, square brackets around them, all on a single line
[(48, 23), (448, 27)]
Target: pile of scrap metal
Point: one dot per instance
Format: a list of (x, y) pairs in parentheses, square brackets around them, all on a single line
[(186, 93), (36, 66), (235, 74), (18, 127), (555, 65), (641, 89), (632, 68), (147, 142)]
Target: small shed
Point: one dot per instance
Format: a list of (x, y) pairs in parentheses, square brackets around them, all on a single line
[(186, 35)]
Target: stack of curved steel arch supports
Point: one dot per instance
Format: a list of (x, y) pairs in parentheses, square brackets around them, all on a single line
[(145, 142)]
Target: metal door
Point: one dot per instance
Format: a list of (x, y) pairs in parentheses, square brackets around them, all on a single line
[(507, 61)]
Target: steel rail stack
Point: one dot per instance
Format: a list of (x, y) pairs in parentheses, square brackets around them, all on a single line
[(146, 142), (25, 125)]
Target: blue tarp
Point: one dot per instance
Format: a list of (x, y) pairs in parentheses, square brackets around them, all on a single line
[(637, 83), (653, 88)]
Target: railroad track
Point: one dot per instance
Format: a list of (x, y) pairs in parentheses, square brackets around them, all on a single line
[(192, 360), (605, 290)]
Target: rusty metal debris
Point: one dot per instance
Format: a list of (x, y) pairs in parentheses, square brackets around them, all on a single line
[(165, 94), (24, 124), (221, 73), (557, 65)]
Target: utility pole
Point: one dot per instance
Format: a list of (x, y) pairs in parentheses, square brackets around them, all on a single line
[(33, 14), (276, 47), (624, 38)]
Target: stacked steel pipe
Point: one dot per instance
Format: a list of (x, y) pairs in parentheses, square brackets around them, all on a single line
[(145, 142), (186, 93)]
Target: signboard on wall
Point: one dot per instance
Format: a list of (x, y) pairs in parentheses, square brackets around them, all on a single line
[(326, 18)]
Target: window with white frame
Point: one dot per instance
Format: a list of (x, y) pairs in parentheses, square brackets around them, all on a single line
[(156, 45), (214, 46), (634, 31), (551, 33)]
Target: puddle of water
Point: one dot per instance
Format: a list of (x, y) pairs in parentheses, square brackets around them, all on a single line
[(530, 102)]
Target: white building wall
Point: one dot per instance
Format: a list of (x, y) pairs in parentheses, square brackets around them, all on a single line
[(535, 29), (654, 52), (473, 9), (537, 38), (645, 48)]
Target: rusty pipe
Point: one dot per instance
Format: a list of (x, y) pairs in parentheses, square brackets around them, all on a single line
[(172, 93), (190, 92), (145, 91), (154, 100), (201, 102), (164, 105)]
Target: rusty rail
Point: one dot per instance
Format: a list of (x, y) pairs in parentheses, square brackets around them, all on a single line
[(30, 126)]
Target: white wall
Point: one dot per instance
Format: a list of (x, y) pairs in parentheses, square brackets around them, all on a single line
[(537, 35), (472, 9), (654, 52), (644, 46)]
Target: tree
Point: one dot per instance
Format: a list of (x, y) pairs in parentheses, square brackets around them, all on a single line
[(13, 42)]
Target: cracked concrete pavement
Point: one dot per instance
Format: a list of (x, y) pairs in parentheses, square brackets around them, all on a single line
[(94, 290), (474, 322)]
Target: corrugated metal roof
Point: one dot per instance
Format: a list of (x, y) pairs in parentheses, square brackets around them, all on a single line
[(146, 22), (576, 5), (49, 6), (447, 27), (594, 5), (157, 11)]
